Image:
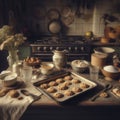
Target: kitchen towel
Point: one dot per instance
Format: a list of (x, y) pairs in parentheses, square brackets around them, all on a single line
[(14, 108)]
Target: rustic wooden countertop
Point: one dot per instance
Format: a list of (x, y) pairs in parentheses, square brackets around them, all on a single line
[(84, 100), (78, 108)]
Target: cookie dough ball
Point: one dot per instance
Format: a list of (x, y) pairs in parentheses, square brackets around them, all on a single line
[(58, 95), (103, 94), (68, 77), (3, 92), (44, 86), (69, 93), (84, 85), (53, 83), (76, 89), (75, 81), (59, 80), (67, 83), (51, 90), (62, 87), (14, 93)]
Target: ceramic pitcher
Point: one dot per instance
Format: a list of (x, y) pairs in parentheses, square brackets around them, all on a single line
[(59, 58)]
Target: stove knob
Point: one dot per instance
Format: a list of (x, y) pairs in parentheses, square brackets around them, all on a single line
[(69, 48), (82, 48), (44, 48), (38, 48), (76, 48), (51, 48), (57, 48)]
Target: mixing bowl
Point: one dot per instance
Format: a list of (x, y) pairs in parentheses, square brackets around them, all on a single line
[(8, 79), (79, 66), (47, 68), (106, 50), (110, 72)]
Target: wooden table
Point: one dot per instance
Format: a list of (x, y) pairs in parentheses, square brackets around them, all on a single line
[(80, 108)]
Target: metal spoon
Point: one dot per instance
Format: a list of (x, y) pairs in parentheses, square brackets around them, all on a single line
[(107, 87), (26, 93)]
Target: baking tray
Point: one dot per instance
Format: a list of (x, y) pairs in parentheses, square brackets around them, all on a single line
[(70, 86)]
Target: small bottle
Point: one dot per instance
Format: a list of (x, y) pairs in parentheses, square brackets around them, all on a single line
[(17, 68)]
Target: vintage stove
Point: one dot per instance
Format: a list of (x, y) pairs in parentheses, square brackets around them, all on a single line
[(77, 47)]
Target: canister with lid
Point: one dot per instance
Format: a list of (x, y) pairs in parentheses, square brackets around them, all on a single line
[(98, 59)]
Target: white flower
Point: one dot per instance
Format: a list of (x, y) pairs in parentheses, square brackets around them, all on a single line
[(9, 40)]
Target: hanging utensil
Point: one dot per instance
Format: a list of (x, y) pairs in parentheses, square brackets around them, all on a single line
[(53, 14), (85, 7), (68, 20), (66, 11), (55, 26), (78, 3), (81, 9)]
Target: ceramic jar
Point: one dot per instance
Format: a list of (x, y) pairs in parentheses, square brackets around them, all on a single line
[(59, 58)]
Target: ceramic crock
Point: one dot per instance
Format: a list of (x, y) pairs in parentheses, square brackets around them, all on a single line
[(59, 58)]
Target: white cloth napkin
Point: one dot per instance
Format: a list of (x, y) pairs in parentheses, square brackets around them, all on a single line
[(12, 108)]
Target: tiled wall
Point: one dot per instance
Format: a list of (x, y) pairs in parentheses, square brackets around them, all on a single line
[(91, 21)]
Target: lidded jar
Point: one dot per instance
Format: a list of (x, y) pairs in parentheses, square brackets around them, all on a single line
[(59, 58)]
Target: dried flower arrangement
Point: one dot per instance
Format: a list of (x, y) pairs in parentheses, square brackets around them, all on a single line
[(9, 40)]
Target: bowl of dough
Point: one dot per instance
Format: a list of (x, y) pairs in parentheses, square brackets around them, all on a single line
[(79, 66), (110, 72), (8, 79), (47, 68)]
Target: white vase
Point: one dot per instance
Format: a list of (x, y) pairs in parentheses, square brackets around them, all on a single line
[(12, 57)]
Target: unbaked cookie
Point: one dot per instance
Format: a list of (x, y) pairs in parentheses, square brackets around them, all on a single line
[(67, 83), (53, 83), (68, 77), (62, 87), (59, 80), (44, 86), (58, 95), (51, 90), (76, 81), (69, 93), (77, 89), (84, 85)]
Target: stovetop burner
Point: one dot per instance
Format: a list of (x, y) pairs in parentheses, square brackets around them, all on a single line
[(61, 40), (77, 46)]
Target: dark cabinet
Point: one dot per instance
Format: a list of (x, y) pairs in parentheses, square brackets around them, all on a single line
[(3, 60)]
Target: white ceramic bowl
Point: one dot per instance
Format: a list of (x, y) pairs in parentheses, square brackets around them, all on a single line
[(110, 71), (8, 79), (79, 66), (106, 50), (47, 68)]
